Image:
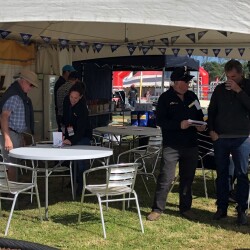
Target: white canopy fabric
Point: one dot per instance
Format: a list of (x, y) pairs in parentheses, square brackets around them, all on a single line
[(188, 25)]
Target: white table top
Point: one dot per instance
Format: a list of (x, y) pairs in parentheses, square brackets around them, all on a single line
[(129, 130), (47, 152)]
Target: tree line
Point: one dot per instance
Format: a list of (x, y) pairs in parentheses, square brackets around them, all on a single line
[(215, 69)]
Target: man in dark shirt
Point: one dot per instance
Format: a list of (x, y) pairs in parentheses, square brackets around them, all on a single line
[(229, 126), (66, 70), (132, 95), (175, 107)]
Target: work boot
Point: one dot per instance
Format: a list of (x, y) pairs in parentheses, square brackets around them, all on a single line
[(154, 216), (241, 217), (189, 215), (219, 214)]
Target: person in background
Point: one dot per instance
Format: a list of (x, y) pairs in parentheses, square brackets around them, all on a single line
[(229, 127), (175, 107), (17, 114), (61, 80), (76, 124), (132, 95), (64, 91)]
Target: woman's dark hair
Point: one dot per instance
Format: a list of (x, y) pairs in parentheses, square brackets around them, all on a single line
[(78, 87)]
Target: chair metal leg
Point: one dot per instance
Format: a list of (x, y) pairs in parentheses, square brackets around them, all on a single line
[(145, 185), (102, 218), (205, 182), (11, 213), (138, 210)]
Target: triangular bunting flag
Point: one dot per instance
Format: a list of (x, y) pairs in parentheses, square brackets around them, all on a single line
[(190, 52), (165, 41), (175, 51), (216, 52), (140, 44), (173, 39), (241, 51), (224, 33), (98, 46), (94, 48), (151, 43), (4, 33), (114, 47), (201, 34), (63, 43), (227, 51), (81, 44), (87, 48), (191, 36), (162, 50), (51, 46), (205, 51), (145, 49), (46, 39), (73, 47), (26, 38), (131, 48)]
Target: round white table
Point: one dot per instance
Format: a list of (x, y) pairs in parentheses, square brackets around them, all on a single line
[(46, 152), (129, 130)]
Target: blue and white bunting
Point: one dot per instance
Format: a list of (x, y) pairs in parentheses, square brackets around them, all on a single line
[(176, 51), (114, 47), (26, 38), (191, 36), (205, 51), (162, 50), (216, 52), (241, 51), (46, 39), (4, 33), (227, 51), (190, 52), (165, 41)]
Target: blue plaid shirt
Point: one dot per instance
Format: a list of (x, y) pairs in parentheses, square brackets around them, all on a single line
[(17, 116)]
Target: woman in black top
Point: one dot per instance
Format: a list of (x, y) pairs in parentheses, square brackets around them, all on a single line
[(76, 125)]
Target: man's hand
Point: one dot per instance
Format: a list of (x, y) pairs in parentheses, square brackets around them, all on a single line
[(232, 85), (185, 124), (201, 128), (214, 136)]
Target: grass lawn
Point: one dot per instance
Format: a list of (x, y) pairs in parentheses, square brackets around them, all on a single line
[(123, 230)]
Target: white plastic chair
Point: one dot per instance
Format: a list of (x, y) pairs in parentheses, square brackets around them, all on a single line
[(119, 180), (15, 188), (147, 156)]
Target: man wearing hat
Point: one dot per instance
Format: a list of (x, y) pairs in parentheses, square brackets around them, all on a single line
[(66, 70), (175, 107), (17, 114)]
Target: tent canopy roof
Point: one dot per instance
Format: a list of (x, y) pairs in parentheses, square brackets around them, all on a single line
[(122, 22)]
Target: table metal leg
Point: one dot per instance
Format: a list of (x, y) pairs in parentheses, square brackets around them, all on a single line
[(46, 191)]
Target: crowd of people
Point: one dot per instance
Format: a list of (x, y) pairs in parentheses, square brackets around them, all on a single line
[(228, 126)]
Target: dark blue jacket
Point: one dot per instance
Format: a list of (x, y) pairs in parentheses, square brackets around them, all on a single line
[(171, 110)]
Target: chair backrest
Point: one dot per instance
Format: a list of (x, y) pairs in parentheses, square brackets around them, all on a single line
[(155, 141), (4, 181), (206, 151), (121, 175)]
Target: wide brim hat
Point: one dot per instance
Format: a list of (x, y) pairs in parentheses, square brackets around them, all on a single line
[(29, 76), (181, 74)]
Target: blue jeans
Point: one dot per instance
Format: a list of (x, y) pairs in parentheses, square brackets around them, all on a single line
[(188, 160), (81, 165), (239, 148)]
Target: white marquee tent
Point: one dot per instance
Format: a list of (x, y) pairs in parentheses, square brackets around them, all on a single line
[(90, 28)]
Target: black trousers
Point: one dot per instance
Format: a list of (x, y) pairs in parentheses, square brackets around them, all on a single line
[(188, 159)]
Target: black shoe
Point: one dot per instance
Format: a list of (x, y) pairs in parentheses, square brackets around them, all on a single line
[(220, 214), (241, 217), (189, 215)]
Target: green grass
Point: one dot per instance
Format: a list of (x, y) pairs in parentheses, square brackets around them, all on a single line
[(123, 230)]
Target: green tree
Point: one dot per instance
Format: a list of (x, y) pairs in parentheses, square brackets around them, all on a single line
[(214, 69)]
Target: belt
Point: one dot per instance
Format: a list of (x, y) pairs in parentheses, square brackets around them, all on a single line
[(11, 129)]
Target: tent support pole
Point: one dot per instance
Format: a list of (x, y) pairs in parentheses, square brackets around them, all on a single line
[(162, 80)]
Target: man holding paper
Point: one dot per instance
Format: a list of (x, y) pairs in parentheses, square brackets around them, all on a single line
[(175, 107)]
